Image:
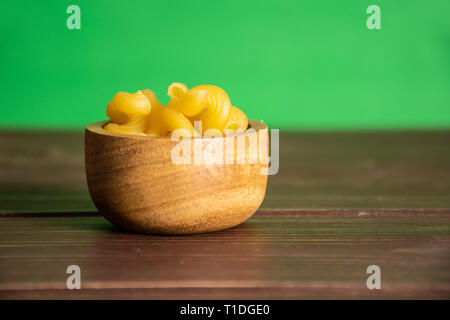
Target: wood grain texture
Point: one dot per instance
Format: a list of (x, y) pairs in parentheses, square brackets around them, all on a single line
[(44, 171), (269, 256), (135, 183), (362, 170), (341, 202)]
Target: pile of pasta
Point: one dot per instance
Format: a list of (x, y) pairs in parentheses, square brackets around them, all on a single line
[(140, 113)]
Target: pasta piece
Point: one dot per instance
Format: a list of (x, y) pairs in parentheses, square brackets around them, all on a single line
[(127, 112), (211, 98), (141, 113), (166, 120), (237, 120)]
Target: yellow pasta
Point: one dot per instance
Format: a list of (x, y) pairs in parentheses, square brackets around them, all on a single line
[(127, 112), (213, 100), (176, 90), (167, 121), (163, 120), (142, 114), (236, 120)]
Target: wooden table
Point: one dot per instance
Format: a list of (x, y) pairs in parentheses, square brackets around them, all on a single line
[(342, 201)]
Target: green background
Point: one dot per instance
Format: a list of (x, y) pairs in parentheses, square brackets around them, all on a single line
[(306, 65)]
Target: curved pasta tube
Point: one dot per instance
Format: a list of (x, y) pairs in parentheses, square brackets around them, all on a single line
[(141, 112), (213, 99), (151, 96), (115, 115), (177, 90), (127, 112), (136, 126), (163, 120), (236, 120), (166, 120), (132, 103)]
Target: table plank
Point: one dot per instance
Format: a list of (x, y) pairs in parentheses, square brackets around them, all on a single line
[(44, 171), (341, 202), (270, 256)]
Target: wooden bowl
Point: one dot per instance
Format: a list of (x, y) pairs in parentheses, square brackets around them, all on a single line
[(135, 184)]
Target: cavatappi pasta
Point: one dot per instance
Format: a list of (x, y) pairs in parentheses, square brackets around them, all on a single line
[(140, 113)]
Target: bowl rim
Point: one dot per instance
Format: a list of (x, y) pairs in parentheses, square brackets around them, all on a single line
[(97, 128)]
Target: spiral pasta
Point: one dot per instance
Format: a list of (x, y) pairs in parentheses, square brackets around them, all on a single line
[(127, 112), (141, 113), (236, 120), (212, 100)]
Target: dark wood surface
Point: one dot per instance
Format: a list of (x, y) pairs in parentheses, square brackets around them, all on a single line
[(342, 201)]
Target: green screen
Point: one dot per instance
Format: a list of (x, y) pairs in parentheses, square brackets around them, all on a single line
[(309, 64)]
